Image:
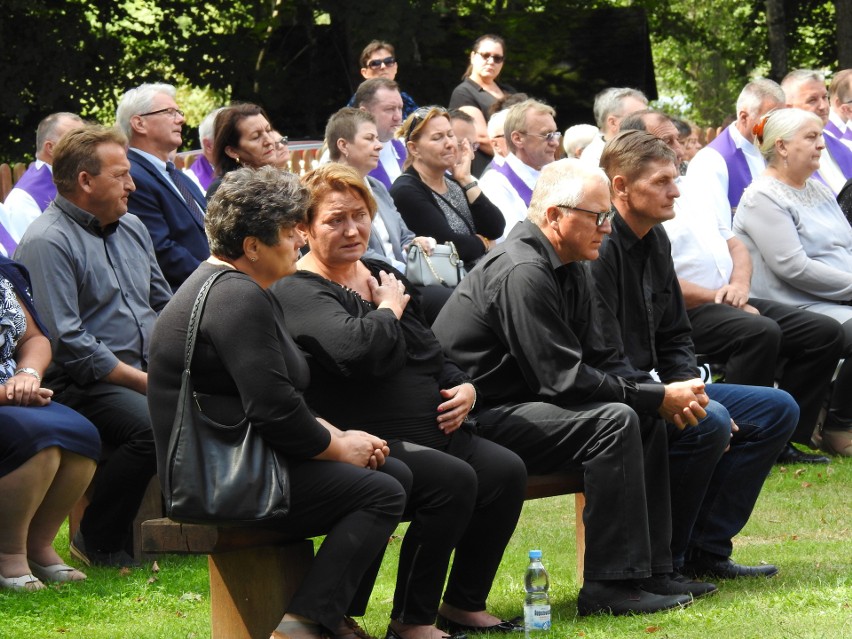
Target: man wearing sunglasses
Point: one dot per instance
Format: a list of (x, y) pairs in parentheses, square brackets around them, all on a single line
[(532, 140), (378, 60), (524, 326), (169, 203)]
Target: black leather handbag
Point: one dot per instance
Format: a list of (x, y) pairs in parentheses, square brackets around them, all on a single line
[(222, 473)]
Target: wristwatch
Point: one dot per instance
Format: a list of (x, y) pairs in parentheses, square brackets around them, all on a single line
[(469, 186), (29, 371)]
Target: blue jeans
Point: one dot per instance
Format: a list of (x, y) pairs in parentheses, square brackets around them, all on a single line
[(713, 491)]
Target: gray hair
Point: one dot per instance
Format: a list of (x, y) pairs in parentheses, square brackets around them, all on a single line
[(563, 183), (205, 129), (783, 124), (496, 122), (137, 101), (46, 131), (793, 80), (608, 102), (756, 92), (516, 118), (253, 203)]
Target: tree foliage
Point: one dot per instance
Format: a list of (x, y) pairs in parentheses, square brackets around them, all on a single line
[(299, 57)]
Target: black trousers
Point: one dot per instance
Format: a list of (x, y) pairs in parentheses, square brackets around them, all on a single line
[(750, 346), (466, 499), (624, 461), (121, 417), (357, 510)]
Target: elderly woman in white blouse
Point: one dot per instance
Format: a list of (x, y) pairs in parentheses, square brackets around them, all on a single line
[(801, 244)]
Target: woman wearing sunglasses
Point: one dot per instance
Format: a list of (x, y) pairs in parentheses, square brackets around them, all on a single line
[(436, 194), (378, 60), (479, 90)]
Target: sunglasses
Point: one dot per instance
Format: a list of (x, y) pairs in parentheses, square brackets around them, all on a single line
[(421, 115), (377, 64), (600, 216), (497, 58)]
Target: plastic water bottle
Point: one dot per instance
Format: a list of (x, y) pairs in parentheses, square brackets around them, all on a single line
[(537, 601)]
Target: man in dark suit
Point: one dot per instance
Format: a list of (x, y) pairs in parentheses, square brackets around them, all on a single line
[(170, 204)]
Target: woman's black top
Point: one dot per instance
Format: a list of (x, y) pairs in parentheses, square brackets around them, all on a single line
[(448, 217), (369, 371), (244, 363)]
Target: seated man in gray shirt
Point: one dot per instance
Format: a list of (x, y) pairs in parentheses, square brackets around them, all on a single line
[(98, 288)]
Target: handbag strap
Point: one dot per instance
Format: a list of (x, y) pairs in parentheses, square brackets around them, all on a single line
[(453, 254), (195, 316)]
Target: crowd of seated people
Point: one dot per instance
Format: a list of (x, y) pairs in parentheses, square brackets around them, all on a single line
[(592, 283)]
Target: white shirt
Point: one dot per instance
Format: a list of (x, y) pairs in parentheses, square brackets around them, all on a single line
[(502, 194), (4, 222), (708, 174), (21, 208), (699, 241), (592, 153)]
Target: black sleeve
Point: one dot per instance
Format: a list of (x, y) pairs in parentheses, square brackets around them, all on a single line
[(250, 351), (487, 218), (423, 216)]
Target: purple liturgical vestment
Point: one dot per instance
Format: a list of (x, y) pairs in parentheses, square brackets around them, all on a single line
[(739, 174), (524, 192), (39, 184), (380, 173)]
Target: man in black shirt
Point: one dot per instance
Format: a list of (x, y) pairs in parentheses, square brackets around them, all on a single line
[(717, 468), (524, 326)]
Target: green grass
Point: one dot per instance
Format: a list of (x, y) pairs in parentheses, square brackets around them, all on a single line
[(802, 523)]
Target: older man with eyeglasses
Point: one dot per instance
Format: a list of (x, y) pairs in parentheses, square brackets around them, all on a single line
[(170, 204), (532, 139)]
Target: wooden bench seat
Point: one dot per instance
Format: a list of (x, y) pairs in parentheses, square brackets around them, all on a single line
[(255, 571)]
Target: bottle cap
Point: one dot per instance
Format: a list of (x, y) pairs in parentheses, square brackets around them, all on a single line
[(535, 554)]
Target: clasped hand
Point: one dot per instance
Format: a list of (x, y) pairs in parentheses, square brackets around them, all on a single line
[(389, 292), (365, 450), (684, 403), (24, 390)]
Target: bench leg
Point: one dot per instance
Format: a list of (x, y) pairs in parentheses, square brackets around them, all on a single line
[(250, 589), (579, 505)]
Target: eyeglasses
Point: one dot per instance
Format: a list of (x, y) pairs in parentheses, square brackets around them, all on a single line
[(170, 111), (282, 140), (600, 216), (474, 146), (498, 59), (421, 115), (553, 136), (377, 64)]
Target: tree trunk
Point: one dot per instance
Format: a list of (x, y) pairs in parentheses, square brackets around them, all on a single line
[(777, 28), (843, 13)]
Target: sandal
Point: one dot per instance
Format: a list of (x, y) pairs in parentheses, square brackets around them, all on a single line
[(354, 628), (285, 628), (24, 582), (56, 572)]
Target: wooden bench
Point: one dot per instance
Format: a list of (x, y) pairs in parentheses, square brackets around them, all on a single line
[(254, 572)]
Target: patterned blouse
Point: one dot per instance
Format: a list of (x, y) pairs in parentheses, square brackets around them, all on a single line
[(13, 324)]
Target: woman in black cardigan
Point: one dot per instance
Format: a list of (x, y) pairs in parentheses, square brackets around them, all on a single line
[(450, 208)]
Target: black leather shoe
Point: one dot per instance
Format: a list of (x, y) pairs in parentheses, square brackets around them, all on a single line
[(792, 455), (624, 598), (512, 625), (705, 563), (674, 583), (115, 559), (393, 634)]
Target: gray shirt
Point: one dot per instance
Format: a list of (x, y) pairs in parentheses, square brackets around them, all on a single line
[(98, 289), (799, 240)]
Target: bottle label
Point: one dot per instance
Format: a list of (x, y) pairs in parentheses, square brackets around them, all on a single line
[(537, 617)]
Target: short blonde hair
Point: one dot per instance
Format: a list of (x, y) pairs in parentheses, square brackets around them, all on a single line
[(781, 124), (335, 178)]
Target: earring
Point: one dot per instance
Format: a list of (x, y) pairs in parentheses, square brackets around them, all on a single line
[(237, 159), (253, 259), (785, 161)]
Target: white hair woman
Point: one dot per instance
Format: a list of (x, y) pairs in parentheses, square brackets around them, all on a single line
[(801, 244)]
